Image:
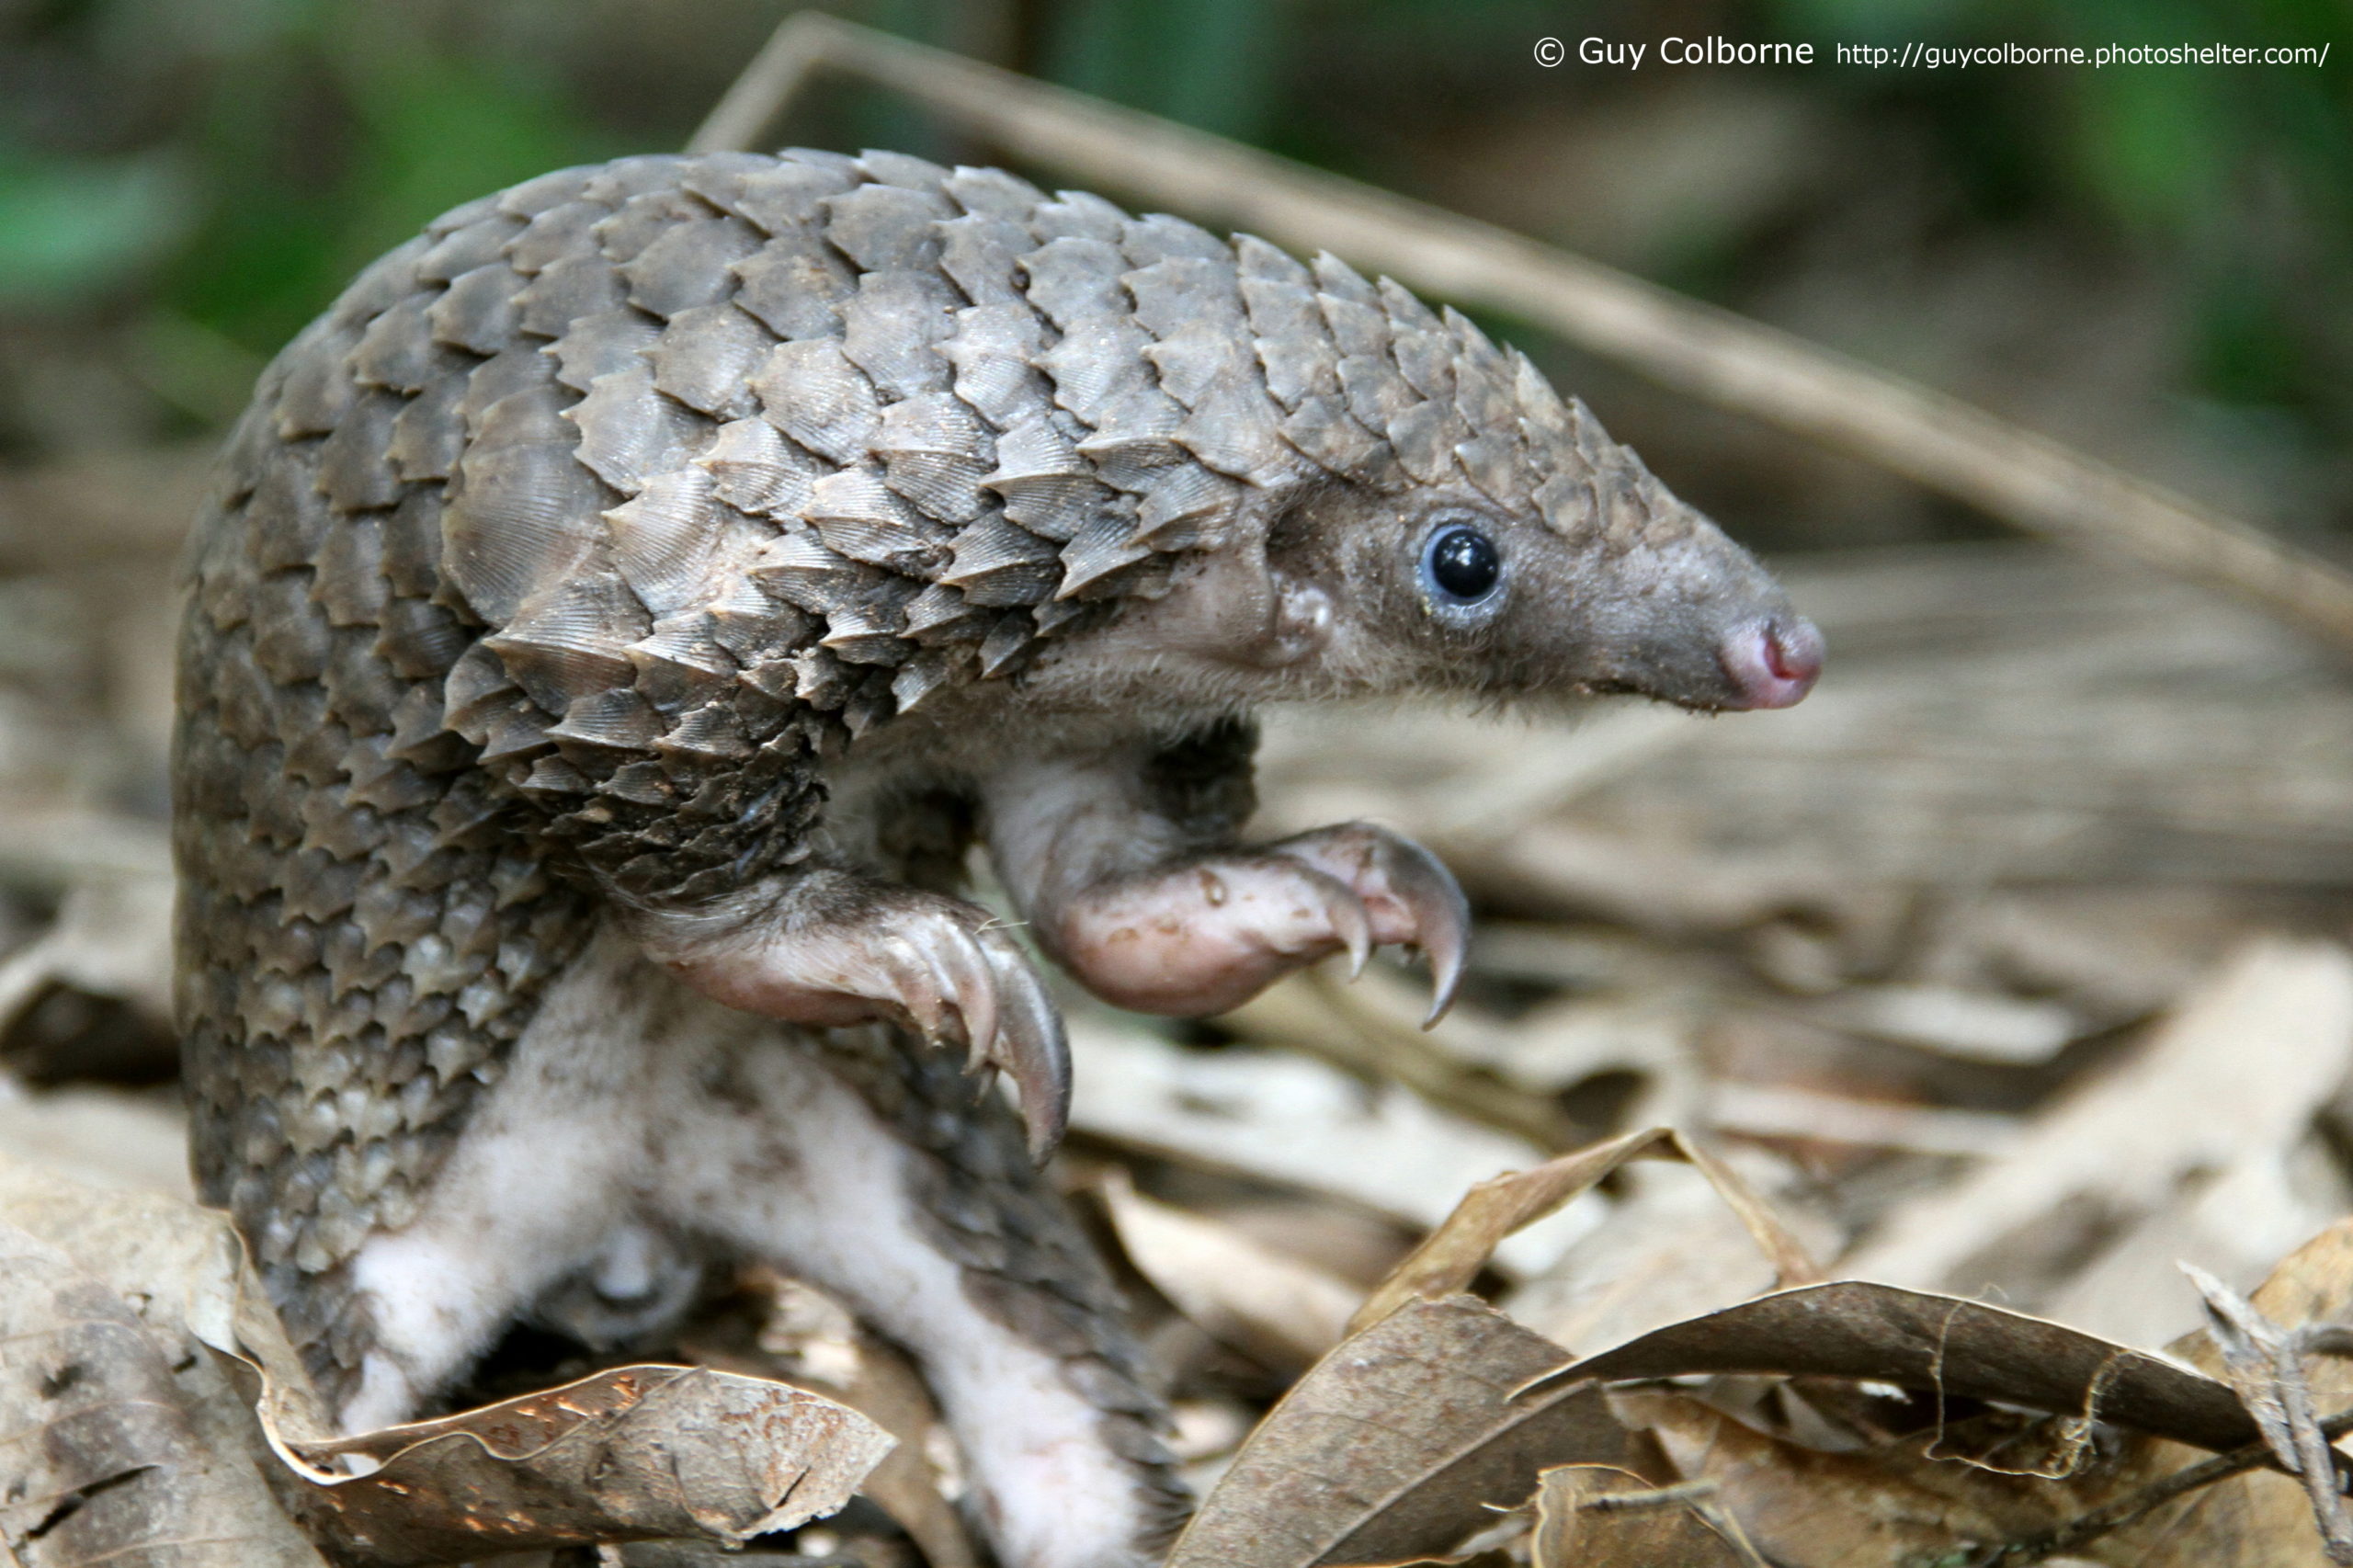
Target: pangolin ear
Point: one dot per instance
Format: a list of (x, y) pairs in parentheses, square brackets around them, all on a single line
[(1302, 623)]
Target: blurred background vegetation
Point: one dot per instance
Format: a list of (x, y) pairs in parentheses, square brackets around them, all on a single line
[(2153, 261)]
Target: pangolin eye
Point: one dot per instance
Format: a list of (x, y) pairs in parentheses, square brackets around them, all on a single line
[(1462, 564)]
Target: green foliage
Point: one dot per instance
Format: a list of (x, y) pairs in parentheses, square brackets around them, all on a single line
[(309, 136), (1214, 63), (75, 227)]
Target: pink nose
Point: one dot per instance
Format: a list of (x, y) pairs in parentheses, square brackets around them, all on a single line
[(1772, 665)]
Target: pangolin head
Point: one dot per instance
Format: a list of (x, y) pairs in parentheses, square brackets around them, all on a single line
[(1512, 548), (1463, 527), (1595, 580)]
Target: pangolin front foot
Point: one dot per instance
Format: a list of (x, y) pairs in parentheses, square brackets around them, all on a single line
[(1207, 932), (839, 950)]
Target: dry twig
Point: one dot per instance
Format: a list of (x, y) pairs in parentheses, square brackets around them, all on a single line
[(2266, 1366), (2134, 1506)]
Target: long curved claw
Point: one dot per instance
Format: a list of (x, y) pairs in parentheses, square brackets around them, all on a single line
[(1442, 917), (1027, 1041), (973, 986), (1412, 898), (1350, 921), (921, 988), (934, 963), (957, 954)]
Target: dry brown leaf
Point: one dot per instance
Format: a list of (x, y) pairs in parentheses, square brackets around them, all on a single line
[(183, 1266), (1281, 1311), (1669, 1248), (2259, 1519), (1940, 1345), (632, 1453), (1590, 1516), (1451, 1256), (1398, 1443), (184, 1270), (104, 1456), (1897, 1502), (1860, 1331), (2264, 1365), (818, 1344), (1910, 1495), (1381, 1451)]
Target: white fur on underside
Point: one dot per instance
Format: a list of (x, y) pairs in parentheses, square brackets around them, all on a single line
[(633, 1115)]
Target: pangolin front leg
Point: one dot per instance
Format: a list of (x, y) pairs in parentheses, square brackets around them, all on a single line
[(1127, 862), (827, 947)]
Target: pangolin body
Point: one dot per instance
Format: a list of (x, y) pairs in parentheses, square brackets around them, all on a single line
[(561, 571)]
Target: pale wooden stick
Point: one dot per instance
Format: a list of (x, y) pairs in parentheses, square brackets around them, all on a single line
[(757, 97), (2028, 480)]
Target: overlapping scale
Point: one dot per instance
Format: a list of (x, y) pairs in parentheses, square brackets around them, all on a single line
[(890, 326), (935, 452), (477, 312), (811, 393), (755, 470), (571, 290), (631, 433)]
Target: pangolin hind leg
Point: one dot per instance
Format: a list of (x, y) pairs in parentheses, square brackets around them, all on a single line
[(884, 1171), (879, 1172), (1127, 861)]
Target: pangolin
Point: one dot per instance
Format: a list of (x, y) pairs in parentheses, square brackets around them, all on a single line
[(619, 614)]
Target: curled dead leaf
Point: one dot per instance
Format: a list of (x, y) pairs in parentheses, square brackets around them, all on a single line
[(1939, 1345), (632, 1453)]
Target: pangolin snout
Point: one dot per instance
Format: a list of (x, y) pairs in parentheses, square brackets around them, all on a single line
[(1772, 663)]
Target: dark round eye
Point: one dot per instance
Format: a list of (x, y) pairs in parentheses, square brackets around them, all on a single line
[(1462, 564)]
